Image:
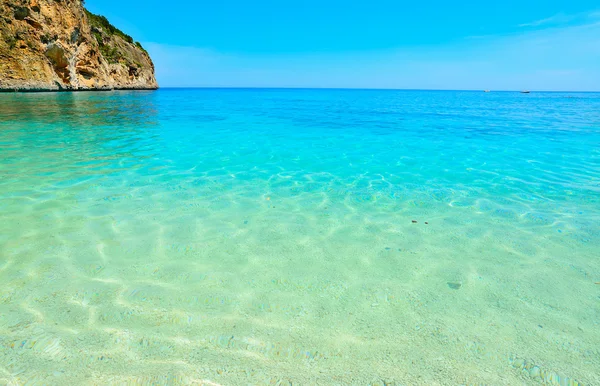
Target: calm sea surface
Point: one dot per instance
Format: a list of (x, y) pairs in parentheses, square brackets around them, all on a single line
[(299, 237)]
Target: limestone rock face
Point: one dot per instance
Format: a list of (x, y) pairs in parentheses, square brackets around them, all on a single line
[(58, 45)]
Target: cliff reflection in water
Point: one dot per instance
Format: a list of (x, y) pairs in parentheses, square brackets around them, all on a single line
[(122, 108), (73, 131)]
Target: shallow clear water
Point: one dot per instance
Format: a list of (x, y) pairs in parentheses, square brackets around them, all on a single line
[(303, 236)]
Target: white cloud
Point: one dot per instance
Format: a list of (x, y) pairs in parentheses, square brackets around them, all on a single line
[(556, 19), (563, 19)]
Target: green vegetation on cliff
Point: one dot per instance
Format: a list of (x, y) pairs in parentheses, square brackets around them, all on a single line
[(101, 23)]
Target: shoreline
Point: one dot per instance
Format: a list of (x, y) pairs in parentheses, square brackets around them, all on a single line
[(49, 90)]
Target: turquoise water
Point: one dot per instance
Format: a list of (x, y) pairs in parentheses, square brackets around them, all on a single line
[(299, 236)]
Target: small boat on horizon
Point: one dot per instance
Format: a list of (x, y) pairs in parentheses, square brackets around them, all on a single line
[(525, 92), (486, 90)]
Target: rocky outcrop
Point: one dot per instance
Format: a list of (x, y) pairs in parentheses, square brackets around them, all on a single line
[(58, 45)]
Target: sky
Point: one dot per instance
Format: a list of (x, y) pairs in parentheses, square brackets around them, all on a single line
[(428, 44)]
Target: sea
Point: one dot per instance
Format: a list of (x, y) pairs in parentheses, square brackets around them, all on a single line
[(299, 237)]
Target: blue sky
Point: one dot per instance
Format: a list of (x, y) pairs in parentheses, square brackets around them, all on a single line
[(508, 45)]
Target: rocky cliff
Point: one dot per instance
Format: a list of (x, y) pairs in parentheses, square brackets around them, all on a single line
[(59, 45)]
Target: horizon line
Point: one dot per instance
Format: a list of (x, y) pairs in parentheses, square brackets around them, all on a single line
[(362, 88)]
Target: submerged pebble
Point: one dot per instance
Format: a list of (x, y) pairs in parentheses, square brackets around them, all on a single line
[(383, 382), (530, 369), (454, 285), (518, 363), (534, 372)]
